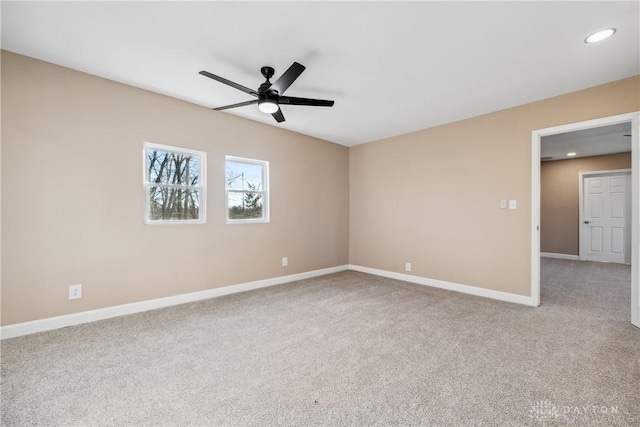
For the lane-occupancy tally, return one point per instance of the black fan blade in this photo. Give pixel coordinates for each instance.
(278, 116)
(288, 77)
(229, 82)
(292, 100)
(240, 104)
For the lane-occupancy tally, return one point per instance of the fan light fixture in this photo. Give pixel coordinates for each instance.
(600, 35)
(268, 106)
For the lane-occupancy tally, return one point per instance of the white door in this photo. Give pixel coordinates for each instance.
(606, 218)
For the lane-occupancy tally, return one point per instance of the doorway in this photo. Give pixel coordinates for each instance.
(537, 135)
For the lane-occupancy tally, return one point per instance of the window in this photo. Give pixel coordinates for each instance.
(174, 180)
(247, 190)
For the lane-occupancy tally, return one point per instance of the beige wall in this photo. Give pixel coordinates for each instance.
(432, 197)
(559, 199)
(72, 197)
(72, 194)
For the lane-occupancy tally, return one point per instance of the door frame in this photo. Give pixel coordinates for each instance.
(536, 137)
(581, 235)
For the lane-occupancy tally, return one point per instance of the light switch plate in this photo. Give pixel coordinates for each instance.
(503, 204)
(512, 204)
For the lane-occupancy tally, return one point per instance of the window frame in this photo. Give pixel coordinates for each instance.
(265, 191)
(201, 188)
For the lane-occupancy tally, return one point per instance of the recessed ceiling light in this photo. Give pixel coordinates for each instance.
(571, 154)
(600, 35)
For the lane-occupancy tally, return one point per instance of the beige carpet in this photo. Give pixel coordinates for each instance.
(344, 349)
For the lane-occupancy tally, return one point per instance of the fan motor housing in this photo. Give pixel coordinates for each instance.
(264, 91)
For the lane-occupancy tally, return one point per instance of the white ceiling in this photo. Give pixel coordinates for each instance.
(391, 67)
(586, 143)
(589, 142)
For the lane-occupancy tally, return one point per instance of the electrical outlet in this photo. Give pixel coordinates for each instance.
(75, 291)
(285, 261)
(407, 266)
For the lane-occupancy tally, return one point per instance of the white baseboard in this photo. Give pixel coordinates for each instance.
(41, 325)
(559, 256)
(465, 289)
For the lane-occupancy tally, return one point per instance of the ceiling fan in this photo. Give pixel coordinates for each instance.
(271, 95)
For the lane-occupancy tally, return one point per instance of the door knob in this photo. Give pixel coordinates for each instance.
(587, 222)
